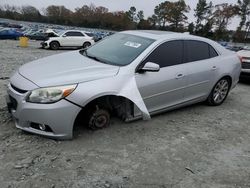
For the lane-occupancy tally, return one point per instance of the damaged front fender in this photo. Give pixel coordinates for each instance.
(122, 86)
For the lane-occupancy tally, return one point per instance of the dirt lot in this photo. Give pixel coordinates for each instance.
(198, 146)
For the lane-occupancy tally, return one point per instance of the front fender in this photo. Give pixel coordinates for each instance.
(123, 86)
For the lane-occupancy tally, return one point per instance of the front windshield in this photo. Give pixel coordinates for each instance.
(119, 49)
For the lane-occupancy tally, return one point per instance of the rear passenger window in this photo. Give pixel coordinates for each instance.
(196, 51)
(212, 52)
(73, 34)
(167, 54)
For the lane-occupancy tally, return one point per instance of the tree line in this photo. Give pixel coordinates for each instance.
(210, 20)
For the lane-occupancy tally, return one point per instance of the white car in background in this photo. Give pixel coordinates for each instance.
(69, 38)
(245, 59)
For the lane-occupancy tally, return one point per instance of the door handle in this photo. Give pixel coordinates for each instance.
(214, 68)
(178, 76)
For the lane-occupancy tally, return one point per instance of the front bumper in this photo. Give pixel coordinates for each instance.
(44, 45)
(59, 117)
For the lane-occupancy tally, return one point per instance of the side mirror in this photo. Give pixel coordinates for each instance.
(150, 67)
(64, 36)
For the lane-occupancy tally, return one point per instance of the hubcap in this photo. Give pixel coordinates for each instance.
(220, 91)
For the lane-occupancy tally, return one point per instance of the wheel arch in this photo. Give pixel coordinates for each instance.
(54, 41)
(227, 76)
(118, 106)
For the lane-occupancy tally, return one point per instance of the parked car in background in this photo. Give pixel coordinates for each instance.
(51, 33)
(245, 62)
(37, 36)
(234, 48)
(130, 74)
(10, 34)
(93, 35)
(69, 38)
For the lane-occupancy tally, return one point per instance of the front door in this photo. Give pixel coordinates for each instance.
(164, 88)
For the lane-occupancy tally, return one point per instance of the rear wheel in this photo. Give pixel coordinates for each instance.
(86, 45)
(219, 93)
(98, 118)
(54, 45)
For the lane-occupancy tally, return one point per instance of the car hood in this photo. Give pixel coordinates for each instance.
(66, 68)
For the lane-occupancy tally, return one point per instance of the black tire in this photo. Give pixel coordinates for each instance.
(98, 118)
(54, 45)
(219, 92)
(86, 45)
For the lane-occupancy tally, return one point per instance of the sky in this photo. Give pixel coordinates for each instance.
(114, 5)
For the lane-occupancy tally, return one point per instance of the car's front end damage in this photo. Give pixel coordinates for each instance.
(45, 44)
(50, 100)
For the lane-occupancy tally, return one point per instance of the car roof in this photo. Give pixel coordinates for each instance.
(166, 35)
(74, 31)
(157, 35)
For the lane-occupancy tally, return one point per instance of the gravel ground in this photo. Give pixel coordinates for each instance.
(197, 146)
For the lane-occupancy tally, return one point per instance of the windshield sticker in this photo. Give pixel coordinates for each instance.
(132, 44)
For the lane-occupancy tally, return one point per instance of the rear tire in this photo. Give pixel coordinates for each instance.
(54, 45)
(86, 45)
(219, 92)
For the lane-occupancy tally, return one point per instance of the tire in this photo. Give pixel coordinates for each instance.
(98, 118)
(86, 45)
(54, 45)
(219, 92)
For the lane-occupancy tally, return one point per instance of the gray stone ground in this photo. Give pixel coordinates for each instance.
(197, 146)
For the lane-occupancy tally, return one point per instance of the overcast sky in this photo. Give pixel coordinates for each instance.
(113, 5)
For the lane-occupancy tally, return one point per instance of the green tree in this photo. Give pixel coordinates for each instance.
(140, 15)
(203, 14)
(159, 14)
(11, 12)
(58, 14)
(222, 16)
(191, 28)
(243, 11)
(131, 14)
(153, 20)
(30, 13)
(172, 13)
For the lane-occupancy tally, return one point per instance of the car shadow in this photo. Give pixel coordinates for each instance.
(245, 81)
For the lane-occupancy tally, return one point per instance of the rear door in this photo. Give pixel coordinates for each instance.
(73, 38)
(78, 38)
(200, 59)
(166, 87)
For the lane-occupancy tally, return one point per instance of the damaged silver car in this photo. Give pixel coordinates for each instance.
(131, 75)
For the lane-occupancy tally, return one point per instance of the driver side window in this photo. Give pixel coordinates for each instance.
(167, 54)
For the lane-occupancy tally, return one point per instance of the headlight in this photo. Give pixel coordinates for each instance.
(50, 94)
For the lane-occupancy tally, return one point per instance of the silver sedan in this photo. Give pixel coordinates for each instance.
(131, 75)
